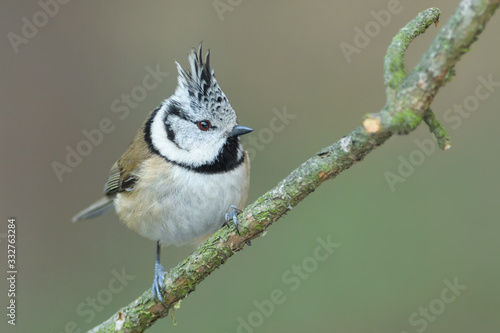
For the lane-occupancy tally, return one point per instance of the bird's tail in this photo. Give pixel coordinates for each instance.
(98, 208)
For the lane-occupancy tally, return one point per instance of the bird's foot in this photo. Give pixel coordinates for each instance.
(158, 291)
(233, 216)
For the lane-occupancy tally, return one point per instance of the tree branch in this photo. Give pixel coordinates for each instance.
(408, 100)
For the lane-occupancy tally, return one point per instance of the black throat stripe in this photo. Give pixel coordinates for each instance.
(227, 159)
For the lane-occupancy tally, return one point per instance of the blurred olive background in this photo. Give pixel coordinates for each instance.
(397, 246)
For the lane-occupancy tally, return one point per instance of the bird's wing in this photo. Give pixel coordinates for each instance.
(113, 185)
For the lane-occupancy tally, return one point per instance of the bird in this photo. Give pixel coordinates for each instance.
(185, 174)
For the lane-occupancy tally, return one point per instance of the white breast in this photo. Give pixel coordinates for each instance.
(177, 206)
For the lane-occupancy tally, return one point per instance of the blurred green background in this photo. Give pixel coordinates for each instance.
(398, 245)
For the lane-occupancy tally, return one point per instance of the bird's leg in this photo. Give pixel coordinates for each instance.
(233, 215)
(158, 290)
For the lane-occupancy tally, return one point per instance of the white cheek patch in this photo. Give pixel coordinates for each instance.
(200, 155)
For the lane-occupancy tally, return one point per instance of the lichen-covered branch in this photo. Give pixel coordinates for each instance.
(443, 139)
(408, 103)
(394, 66)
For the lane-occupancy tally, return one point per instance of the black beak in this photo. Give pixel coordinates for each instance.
(240, 130)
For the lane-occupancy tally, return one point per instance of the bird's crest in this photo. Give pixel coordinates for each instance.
(200, 84)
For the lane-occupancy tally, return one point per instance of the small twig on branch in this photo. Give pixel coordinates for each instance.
(408, 103)
(394, 65)
(443, 139)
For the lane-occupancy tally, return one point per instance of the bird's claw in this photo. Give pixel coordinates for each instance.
(233, 216)
(158, 290)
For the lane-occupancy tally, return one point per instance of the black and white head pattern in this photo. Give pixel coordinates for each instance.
(192, 127)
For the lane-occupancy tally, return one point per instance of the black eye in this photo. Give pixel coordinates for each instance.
(204, 125)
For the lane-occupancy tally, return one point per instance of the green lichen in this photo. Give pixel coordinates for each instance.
(437, 129)
(405, 122)
(394, 70)
(258, 227)
(451, 73)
